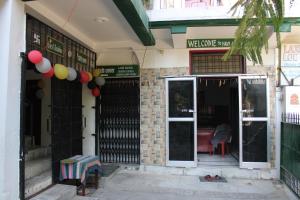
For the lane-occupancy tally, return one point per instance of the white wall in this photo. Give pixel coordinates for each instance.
(88, 101)
(12, 40)
(170, 58)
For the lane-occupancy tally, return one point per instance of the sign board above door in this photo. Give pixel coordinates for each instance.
(209, 43)
(119, 71)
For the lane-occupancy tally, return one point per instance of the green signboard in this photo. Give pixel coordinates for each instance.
(55, 46)
(81, 58)
(120, 71)
(209, 43)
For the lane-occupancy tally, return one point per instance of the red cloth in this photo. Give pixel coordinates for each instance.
(204, 136)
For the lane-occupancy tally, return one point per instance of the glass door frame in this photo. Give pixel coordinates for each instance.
(181, 119)
(253, 165)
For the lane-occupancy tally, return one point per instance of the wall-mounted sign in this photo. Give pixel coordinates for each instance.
(81, 58)
(209, 43)
(119, 71)
(36, 39)
(291, 55)
(55, 46)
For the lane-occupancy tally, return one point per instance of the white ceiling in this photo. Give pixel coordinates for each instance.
(83, 19)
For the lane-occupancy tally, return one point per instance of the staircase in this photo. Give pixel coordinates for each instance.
(38, 173)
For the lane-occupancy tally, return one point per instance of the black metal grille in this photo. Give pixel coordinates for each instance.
(36, 38)
(66, 121)
(212, 63)
(118, 121)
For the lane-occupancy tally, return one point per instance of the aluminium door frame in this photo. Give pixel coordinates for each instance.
(253, 165)
(181, 119)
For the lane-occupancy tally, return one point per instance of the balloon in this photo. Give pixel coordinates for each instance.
(84, 77)
(43, 66)
(90, 76)
(96, 72)
(39, 94)
(61, 72)
(91, 85)
(35, 56)
(96, 92)
(72, 75)
(49, 74)
(100, 81)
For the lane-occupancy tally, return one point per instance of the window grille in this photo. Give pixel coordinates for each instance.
(213, 63)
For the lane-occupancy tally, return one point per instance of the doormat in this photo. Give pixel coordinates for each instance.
(107, 170)
(209, 178)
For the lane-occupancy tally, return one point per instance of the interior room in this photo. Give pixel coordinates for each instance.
(217, 121)
(37, 132)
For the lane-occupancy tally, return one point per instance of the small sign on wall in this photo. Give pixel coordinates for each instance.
(119, 71)
(291, 55)
(209, 43)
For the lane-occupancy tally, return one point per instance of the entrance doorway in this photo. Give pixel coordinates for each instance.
(217, 121)
(221, 120)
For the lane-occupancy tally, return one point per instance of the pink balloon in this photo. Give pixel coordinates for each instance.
(49, 74)
(84, 77)
(35, 56)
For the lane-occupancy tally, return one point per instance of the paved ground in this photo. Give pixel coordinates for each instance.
(132, 185)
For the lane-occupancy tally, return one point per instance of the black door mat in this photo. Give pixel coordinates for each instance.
(209, 178)
(108, 169)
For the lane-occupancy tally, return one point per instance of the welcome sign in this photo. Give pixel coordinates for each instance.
(209, 43)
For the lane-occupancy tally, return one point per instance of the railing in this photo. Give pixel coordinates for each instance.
(290, 151)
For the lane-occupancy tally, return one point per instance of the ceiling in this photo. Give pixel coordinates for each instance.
(81, 15)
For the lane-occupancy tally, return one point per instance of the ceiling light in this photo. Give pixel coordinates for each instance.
(101, 19)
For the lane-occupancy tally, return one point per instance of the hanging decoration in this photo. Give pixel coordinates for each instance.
(91, 85)
(35, 56)
(84, 77)
(49, 74)
(96, 72)
(72, 74)
(61, 72)
(90, 76)
(100, 81)
(96, 92)
(43, 66)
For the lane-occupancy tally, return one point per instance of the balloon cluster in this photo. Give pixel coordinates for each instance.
(43, 65)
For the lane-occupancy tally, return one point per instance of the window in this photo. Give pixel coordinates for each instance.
(207, 62)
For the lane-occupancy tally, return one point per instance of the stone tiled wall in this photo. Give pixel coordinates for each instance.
(153, 114)
(153, 110)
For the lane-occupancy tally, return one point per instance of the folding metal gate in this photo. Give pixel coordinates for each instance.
(118, 121)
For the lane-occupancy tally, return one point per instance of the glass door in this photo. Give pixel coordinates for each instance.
(181, 123)
(254, 122)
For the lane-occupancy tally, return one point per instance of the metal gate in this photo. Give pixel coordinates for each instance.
(118, 121)
(66, 122)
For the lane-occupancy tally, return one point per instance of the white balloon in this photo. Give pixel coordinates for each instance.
(43, 66)
(100, 81)
(72, 74)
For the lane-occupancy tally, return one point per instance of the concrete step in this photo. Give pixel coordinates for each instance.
(38, 183)
(58, 192)
(37, 153)
(37, 167)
